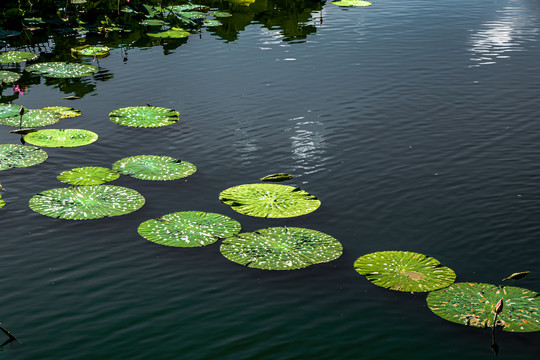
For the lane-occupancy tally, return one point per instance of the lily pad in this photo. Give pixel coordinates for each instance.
(277, 177)
(188, 229)
(473, 304)
(281, 248)
(193, 14)
(7, 77)
(212, 22)
(144, 116)
(351, 3)
(65, 111)
(404, 271)
(16, 56)
(2, 203)
(62, 70)
(221, 14)
(9, 110)
(14, 155)
(517, 275)
(86, 202)
(269, 200)
(153, 22)
(61, 137)
(173, 33)
(91, 50)
(88, 175)
(154, 167)
(32, 118)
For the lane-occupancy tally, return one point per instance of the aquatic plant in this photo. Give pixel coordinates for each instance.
(173, 33)
(14, 155)
(281, 248)
(65, 112)
(351, 3)
(7, 77)
(62, 70)
(61, 137)
(96, 51)
(31, 118)
(16, 56)
(154, 167)
(88, 175)
(277, 177)
(144, 116)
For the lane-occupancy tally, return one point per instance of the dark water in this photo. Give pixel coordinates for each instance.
(417, 125)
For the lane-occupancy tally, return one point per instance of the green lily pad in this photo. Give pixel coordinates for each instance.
(277, 177)
(153, 22)
(7, 77)
(16, 56)
(154, 167)
(62, 70)
(404, 271)
(88, 175)
(9, 110)
(212, 22)
(65, 111)
(91, 50)
(351, 3)
(2, 203)
(14, 155)
(32, 118)
(173, 33)
(473, 304)
(61, 137)
(144, 116)
(193, 14)
(188, 229)
(269, 200)
(221, 14)
(281, 248)
(86, 202)
(185, 7)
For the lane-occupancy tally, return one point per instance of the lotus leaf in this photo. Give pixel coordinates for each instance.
(88, 175)
(185, 7)
(86, 202)
(277, 177)
(473, 304)
(193, 14)
(62, 70)
(32, 118)
(7, 77)
(221, 14)
(351, 3)
(2, 203)
(153, 22)
(281, 248)
(91, 50)
(404, 271)
(188, 229)
(154, 167)
(208, 22)
(144, 116)
(173, 33)
(65, 111)
(269, 200)
(8, 110)
(14, 155)
(16, 56)
(61, 137)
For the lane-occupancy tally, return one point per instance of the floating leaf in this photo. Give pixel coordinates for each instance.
(72, 97)
(517, 276)
(351, 3)
(281, 248)
(277, 177)
(88, 175)
(188, 229)
(153, 22)
(193, 14)
(221, 14)
(32, 118)
(144, 116)
(9, 110)
(86, 202)
(91, 50)
(154, 167)
(64, 111)
(2, 203)
(16, 56)
(173, 33)
(62, 70)
(474, 304)
(61, 137)
(22, 131)
(211, 22)
(14, 155)
(269, 200)
(185, 7)
(404, 271)
(7, 77)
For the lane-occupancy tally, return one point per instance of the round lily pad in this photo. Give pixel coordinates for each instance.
(14, 155)
(404, 271)
(153, 22)
(91, 50)
(188, 229)
(144, 116)
(221, 14)
(351, 3)
(86, 202)
(88, 175)
(61, 137)
(173, 33)
(212, 22)
(193, 14)
(154, 167)
(9, 110)
(277, 177)
(7, 77)
(62, 70)
(65, 111)
(16, 56)
(281, 248)
(2, 203)
(32, 118)
(269, 200)
(473, 304)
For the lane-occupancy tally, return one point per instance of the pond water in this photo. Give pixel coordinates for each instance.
(415, 123)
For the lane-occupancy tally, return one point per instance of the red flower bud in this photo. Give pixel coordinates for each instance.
(499, 306)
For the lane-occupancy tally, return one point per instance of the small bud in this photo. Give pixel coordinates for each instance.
(499, 306)
(21, 111)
